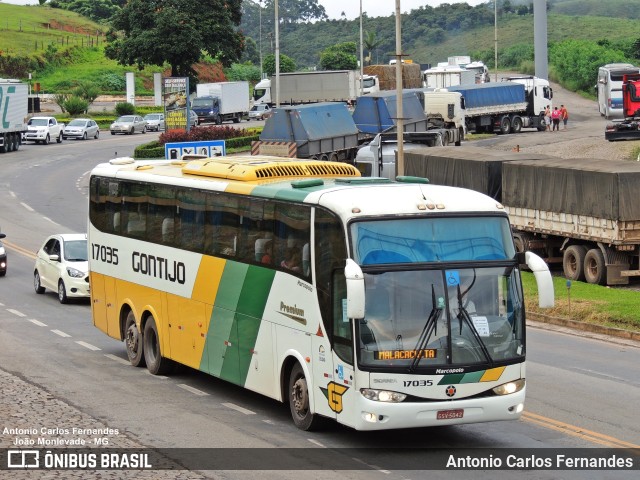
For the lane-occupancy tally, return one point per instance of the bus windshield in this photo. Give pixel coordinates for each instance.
(444, 292)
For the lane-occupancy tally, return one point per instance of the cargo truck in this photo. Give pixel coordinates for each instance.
(314, 87)
(446, 76)
(421, 112)
(629, 127)
(580, 213)
(507, 106)
(320, 131)
(222, 101)
(14, 111)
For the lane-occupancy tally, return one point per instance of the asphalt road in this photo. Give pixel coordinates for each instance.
(579, 390)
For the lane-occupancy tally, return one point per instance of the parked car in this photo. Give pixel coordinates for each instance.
(193, 119)
(81, 128)
(129, 124)
(62, 265)
(155, 121)
(260, 112)
(3, 257)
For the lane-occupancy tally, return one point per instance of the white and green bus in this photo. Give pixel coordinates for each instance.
(379, 304)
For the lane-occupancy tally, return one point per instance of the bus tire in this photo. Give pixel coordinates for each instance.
(595, 270)
(299, 400)
(573, 262)
(133, 341)
(156, 363)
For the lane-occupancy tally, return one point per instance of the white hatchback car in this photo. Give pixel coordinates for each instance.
(62, 265)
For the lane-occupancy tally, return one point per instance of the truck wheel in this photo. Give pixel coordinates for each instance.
(595, 270)
(460, 137)
(516, 125)
(445, 139)
(573, 262)
(47, 140)
(333, 157)
(237, 119)
(505, 125)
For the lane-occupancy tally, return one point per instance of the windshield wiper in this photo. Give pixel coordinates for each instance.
(429, 328)
(464, 315)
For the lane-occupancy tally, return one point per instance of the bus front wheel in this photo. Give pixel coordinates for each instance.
(133, 341)
(299, 400)
(156, 363)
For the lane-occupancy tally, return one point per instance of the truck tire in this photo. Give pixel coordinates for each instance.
(595, 270)
(505, 125)
(237, 119)
(573, 262)
(460, 137)
(516, 125)
(3, 148)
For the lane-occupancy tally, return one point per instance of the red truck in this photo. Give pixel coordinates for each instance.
(629, 127)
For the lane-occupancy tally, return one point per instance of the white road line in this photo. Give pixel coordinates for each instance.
(62, 334)
(37, 322)
(1, 304)
(47, 218)
(26, 206)
(599, 374)
(195, 391)
(16, 312)
(270, 422)
(316, 442)
(88, 345)
(238, 408)
(117, 359)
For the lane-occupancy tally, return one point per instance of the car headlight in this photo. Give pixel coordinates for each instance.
(72, 272)
(510, 387)
(382, 395)
(2, 251)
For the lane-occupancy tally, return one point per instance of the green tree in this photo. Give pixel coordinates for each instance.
(370, 42)
(87, 91)
(286, 64)
(340, 57)
(96, 10)
(177, 32)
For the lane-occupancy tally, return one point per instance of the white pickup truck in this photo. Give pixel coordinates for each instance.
(43, 129)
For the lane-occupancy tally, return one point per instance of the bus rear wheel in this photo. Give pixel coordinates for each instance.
(156, 363)
(299, 400)
(133, 341)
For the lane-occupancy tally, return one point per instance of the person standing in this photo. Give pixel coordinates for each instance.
(555, 118)
(564, 115)
(547, 119)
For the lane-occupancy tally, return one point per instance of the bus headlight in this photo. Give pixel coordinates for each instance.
(72, 272)
(382, 395)
(509, 388)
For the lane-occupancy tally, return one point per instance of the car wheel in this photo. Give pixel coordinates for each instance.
(97, 134)
(132, 131)
(47, 140)
(84, 136)
(37, 286)
(133, 341)
(59, 139)
(64, 138)
(144, 129)
(113, 133)
(156, 363)
(62, 293)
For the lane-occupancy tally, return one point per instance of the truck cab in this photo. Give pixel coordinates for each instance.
(207, 108)
(539, 93)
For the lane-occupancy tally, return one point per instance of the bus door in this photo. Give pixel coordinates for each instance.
(105, 314)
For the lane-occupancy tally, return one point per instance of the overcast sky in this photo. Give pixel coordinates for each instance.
(351, 8)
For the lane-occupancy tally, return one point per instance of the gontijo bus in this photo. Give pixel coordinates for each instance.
(379, 304)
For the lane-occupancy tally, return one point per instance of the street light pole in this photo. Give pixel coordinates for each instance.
(361, 55)
(495, 35)
(260, 10)
(277, 56)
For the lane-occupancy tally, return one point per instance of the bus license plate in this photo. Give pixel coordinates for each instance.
(449, 414)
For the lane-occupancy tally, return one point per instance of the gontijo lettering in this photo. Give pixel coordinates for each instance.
(158, 267)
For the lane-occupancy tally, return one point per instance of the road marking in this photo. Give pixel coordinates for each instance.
(574, 431)
(47, 218)
(37, 322)
(16, 312)
(62, 334)
(195, 391)
(26, 206)
(117, 359)
(23, 251)
(316, 442)
(161, 377)
(238, 408)
(88, 345)
(270, 422)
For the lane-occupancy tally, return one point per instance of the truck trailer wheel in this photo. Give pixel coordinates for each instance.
(595, 270)
(516, 124)
(573, 262)
(505, 125)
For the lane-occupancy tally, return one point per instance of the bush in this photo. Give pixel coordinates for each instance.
(149, 150)
(200, 134)
(112, 82)
(76, 105)
(61, 99)
(125, 108)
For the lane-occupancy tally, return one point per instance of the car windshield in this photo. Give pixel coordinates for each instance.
(38, 122)
(126, 119)
(75, 251)
(77, 123)
(152, 117)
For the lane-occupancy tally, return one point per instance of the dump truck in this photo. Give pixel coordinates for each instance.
(506, 107)
(14, 110)
(321, 131)
(580, 213)
(629, 127)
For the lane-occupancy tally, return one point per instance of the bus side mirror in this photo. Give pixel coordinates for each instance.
(543, 279)
(355, 290)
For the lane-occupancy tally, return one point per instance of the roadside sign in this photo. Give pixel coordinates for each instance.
(210, 148)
